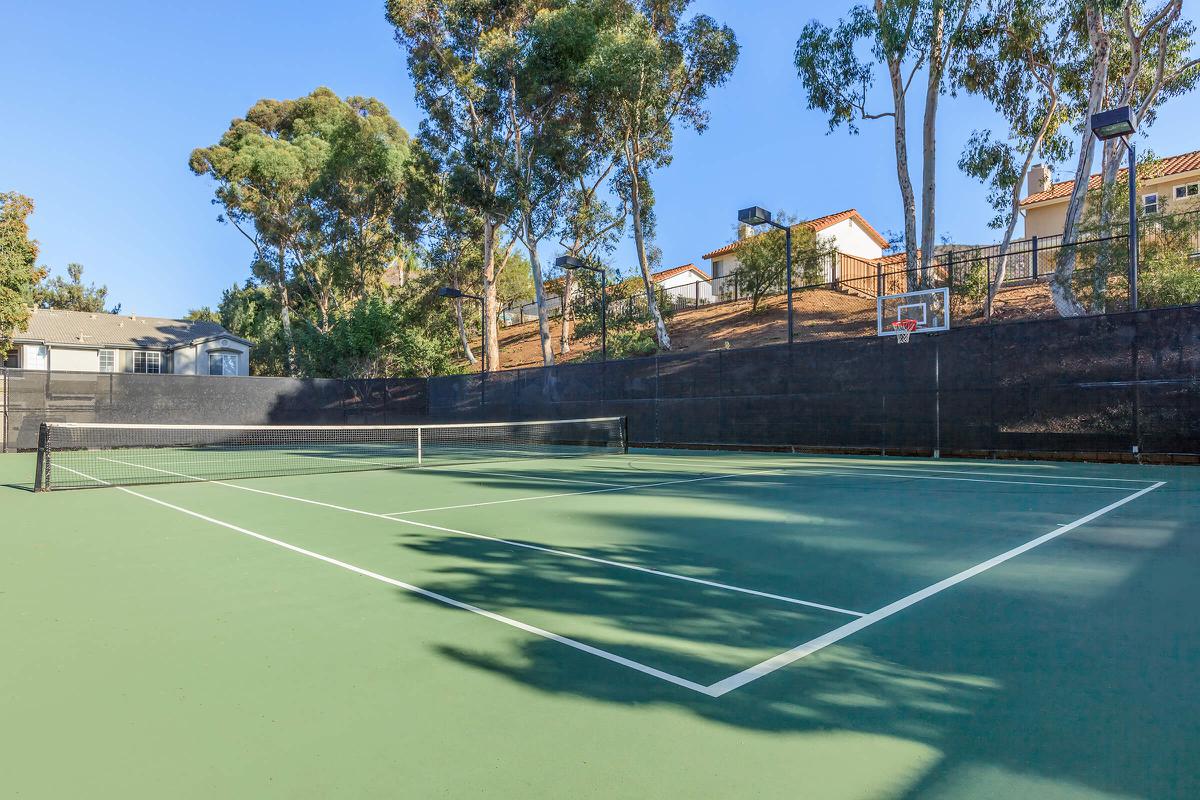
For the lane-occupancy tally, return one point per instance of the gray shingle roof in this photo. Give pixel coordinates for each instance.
(118, 330)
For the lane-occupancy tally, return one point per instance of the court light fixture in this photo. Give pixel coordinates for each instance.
(570, 262)
(458, 294)
(1119, 123)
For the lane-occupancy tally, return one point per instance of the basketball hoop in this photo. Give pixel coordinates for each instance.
(904, 329)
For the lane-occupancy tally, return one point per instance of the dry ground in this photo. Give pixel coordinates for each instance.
(820, 314)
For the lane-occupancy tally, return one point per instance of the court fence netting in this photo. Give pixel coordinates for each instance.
(94, 455)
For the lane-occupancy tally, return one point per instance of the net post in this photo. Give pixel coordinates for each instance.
(624, 434)
(420, 447)
(41, 479)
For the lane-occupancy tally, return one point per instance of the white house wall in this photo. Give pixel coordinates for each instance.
(849, 237)
(71, 359)
(33, 356)
(198, 360)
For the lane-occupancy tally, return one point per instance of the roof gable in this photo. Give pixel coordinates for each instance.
(816, 225)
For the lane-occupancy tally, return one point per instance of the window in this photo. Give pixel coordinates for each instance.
(149, 362)
(12, 359)
(108, 360)
(717, 268)
(1150, 203)
(222, 363)
(1190, 190)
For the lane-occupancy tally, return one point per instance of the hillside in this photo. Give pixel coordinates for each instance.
(819, 314)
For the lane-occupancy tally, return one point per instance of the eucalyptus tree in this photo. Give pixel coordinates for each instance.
(590, 231)
(555, 125)
(455, 53)
(311, 184)
(1016, 53)
(1132, 54)
(904, 37)
(650, 73)
(18, 265)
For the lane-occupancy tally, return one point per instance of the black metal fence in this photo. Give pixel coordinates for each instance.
(28, 398)
(1019, 277)
(1114, 386)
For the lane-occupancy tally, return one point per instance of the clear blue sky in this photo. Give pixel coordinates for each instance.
(104, 101)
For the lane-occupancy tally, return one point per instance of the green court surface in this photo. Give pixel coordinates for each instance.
(650, 625)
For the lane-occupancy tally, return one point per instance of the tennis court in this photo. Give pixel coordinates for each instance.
(586, 620)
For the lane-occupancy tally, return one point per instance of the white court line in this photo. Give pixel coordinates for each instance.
(408, 587)
(526, 545)
(833, 463)
(979, 480)
(813, 645)
(828, 469)
(533, 477)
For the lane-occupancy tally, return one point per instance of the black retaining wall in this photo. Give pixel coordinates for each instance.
(1096, 386)
(31, 397)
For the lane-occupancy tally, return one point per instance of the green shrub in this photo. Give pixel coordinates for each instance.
(1169, 282)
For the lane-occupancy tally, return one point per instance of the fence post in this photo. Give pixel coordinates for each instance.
(879, 280)
(697, 294)
(735, 286)
(950, 273)
(1035, 254)
(836, 258)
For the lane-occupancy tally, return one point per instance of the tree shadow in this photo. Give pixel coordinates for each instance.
(1065, 673)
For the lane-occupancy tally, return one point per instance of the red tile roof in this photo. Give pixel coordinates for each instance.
(818, 224)
(1172, 165)
(662, 275)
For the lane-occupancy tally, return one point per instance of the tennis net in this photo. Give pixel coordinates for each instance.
(92, 455)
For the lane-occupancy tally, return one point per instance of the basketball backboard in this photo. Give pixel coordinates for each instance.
(929, 309)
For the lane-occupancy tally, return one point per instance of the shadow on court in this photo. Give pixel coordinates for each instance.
(1070, 672)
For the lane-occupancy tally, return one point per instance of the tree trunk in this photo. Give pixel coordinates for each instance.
(491, 330)
(902, 176)
(285, 314)
(462, 332)
(933, 93)
(568, 314)
(539, 293)
(639, 240)
(1061, 291)
(1014, 211)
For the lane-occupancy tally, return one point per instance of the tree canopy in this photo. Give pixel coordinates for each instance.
(19, 272)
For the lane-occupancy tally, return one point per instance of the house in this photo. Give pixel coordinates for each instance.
(79, 341)
(847, 231)
(1170, 182)
(686, 282)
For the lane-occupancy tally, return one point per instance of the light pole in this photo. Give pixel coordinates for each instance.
(760, 216)
(458, 294)
(573, 263)
(1118, 123)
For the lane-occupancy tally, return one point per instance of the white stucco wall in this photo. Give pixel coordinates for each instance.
(849, 237)
(193, 360)
(685, 285)
(73, 359)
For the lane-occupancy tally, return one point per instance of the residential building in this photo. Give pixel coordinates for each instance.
(847, 231)
(78, 341)
(685, 281)
(1172, 182)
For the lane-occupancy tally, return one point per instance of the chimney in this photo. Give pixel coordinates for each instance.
(744, 231)
(1040, 179)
